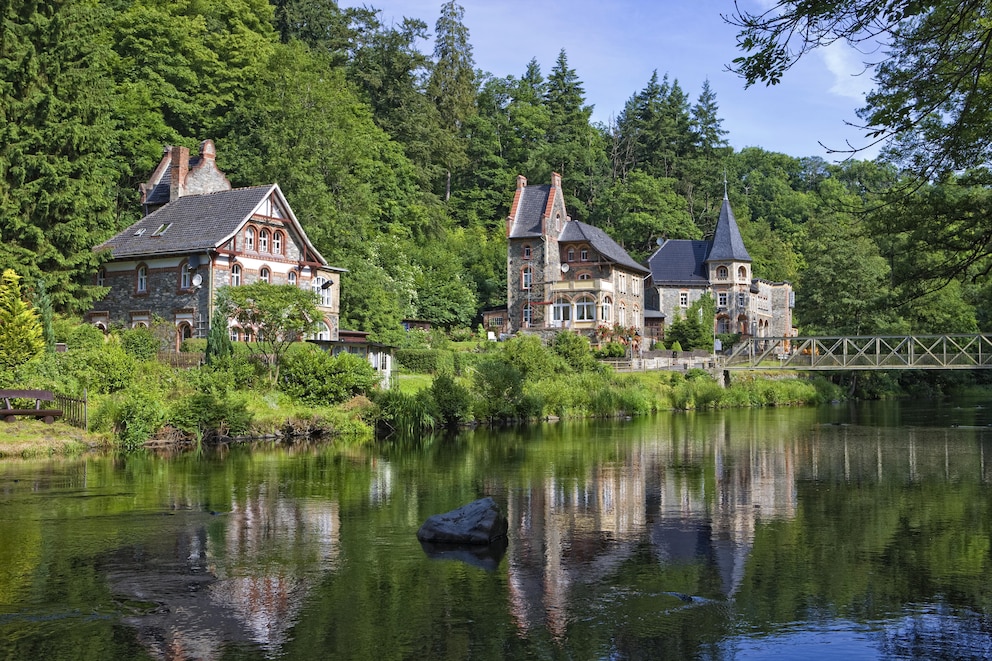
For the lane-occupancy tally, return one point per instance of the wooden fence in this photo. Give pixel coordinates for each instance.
(74, 410)
(181, 359)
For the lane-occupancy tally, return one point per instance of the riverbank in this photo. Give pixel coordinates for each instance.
(28, 439)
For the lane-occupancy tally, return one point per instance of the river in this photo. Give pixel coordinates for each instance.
(844, 532)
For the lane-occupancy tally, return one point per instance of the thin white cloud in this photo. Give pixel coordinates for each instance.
(846, 65)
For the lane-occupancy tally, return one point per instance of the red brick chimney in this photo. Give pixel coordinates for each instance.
(178, 169)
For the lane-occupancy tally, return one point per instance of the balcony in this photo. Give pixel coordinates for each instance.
(595, 284)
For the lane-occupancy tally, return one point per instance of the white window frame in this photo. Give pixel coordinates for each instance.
(585, 309)
(606, 309)
(236, 275)
(249, 239)
(263, 241)
(142, 283)
(683, 299)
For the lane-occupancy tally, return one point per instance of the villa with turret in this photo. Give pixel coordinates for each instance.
(566, 274)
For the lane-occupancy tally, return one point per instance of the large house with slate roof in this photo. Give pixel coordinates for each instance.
(563, 273)
(199, 234)
(682, 271)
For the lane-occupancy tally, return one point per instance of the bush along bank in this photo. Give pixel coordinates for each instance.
(138, 402)
(521, 379)
(135, 401)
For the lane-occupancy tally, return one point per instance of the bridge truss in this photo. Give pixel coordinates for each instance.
(876, 352)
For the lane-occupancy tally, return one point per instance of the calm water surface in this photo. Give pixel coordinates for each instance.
(860, 532)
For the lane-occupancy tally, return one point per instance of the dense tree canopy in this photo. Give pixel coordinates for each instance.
(400, 163)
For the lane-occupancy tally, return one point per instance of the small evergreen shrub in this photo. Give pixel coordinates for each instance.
(453, 400)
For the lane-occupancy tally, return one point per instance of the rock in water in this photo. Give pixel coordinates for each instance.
(479, 522)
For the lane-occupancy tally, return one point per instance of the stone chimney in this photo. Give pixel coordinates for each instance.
(521, 181)
(178, 169)
(555, 180)
(207, 150)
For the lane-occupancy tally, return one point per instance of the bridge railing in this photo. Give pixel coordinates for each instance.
(862, 352)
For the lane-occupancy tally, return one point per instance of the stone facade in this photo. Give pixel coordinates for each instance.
(684, 271)
(562, 273)
(202, 235)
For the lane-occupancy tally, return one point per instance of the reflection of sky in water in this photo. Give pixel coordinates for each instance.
(932, 633)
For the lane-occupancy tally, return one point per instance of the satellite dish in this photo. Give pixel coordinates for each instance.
(564, 268)
(197, 280)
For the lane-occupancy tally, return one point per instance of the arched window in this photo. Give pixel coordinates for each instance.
(526, 276)
(636, 321)
(622, 314)
(264, 274)
(185, 276)
(142, 279)
(323, 332)
(322, 287)
(571, 255)
(250, 239)
(585, 276)
(235, 333)
(236, 275)
(248, 335)
(606, 309)
(562, 311)
(277, 243)
(585, 309)
(292, 278)
(722, 273)
(101, 277)
(263, 241)
(742, 273)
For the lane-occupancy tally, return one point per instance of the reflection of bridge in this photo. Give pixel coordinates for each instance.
(877, 352)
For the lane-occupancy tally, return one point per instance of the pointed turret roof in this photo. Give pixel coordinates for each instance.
(728, 246)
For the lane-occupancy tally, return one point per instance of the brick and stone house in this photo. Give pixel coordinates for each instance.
(682, 271)
(199, 234)
(563, 273)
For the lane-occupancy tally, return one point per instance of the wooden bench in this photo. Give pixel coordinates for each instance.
(9, 413)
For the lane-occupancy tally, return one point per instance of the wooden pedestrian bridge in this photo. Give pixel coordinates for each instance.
(868, 352)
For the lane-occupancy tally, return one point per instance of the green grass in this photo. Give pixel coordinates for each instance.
(410, 384)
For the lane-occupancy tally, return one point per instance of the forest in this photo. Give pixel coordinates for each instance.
(401, 164)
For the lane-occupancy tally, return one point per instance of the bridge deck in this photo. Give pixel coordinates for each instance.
(875, 352)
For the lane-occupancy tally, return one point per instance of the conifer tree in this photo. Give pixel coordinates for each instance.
(20, 329)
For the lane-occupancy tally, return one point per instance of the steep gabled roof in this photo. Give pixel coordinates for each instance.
(529, 211)
(728, 246)
(680, 263)
(577, 231)
(199, 223)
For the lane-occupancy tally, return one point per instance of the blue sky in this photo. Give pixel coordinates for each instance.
(614, 45)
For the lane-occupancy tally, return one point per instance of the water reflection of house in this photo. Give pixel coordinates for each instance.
(245, 586)
(688, 501)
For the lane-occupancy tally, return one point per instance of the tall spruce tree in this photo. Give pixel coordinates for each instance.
(451, 86)
(57, 138)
